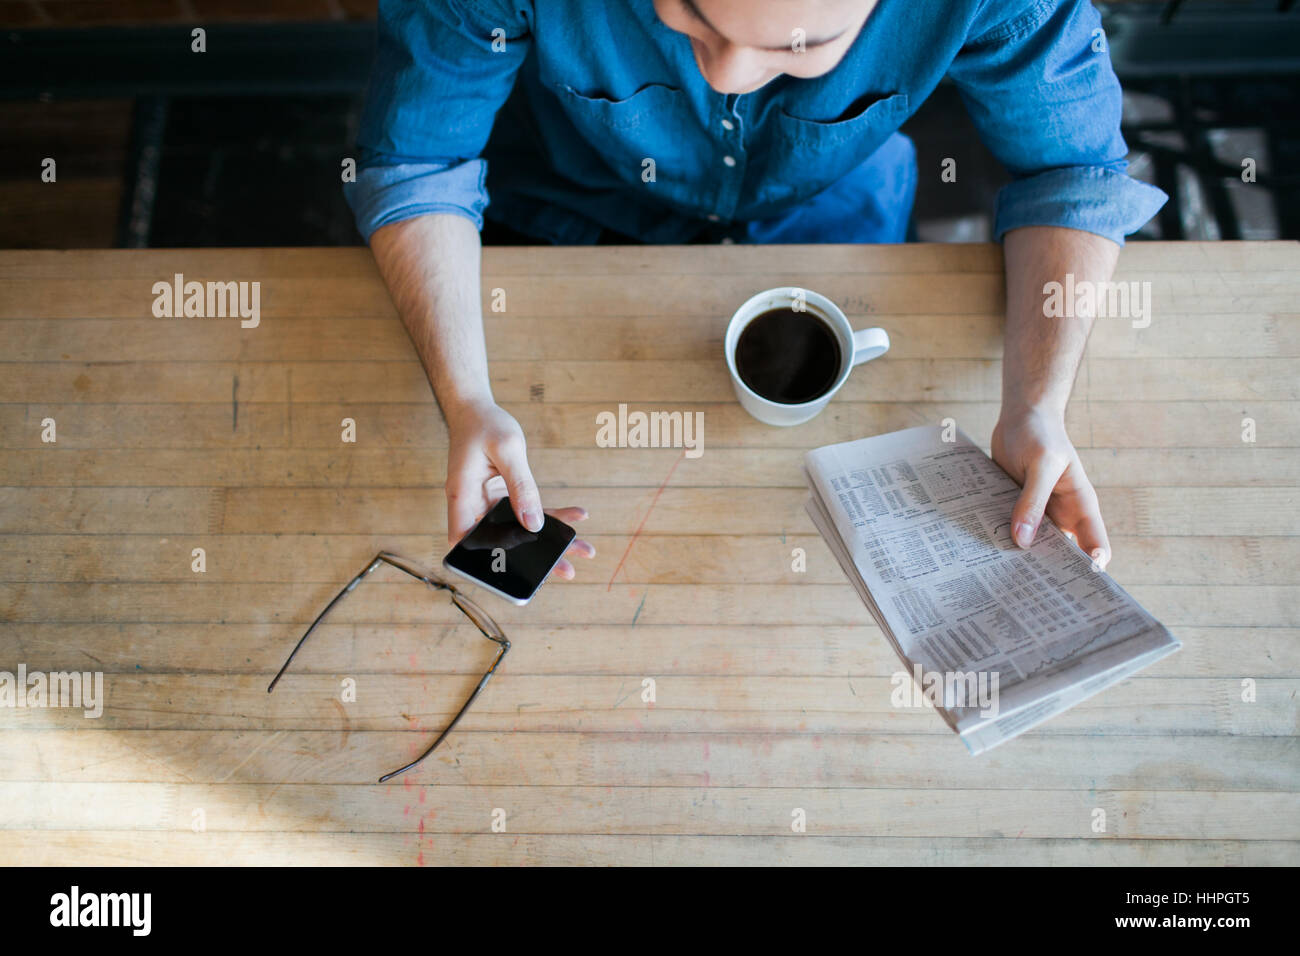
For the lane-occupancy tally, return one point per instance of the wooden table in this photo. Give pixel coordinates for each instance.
(771, 687)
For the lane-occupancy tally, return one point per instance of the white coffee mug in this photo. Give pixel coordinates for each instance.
(855, 348)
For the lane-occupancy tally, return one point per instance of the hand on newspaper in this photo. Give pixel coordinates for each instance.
(1034, 449)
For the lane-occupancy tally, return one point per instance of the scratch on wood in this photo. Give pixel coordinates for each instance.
(253, 753)
(347, 724)
(653, 501)
(625, 696)
(217, 511)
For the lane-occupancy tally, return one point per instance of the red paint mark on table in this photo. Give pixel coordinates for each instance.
(653, 501)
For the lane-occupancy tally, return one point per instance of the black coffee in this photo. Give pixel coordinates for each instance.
(788, 357)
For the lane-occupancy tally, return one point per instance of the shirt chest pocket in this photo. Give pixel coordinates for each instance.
(625, 133)
(867, 123)
(811, 154)
(648, 107)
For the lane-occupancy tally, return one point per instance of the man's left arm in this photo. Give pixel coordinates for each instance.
(1040, 360)
(1036, 79)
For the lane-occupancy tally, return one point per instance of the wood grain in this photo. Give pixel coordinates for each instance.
(771, 687)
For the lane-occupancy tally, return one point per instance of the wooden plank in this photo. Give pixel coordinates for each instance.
(701, 649)
(1208, 293)
(1176, 512)
(612, 703)
(754, 811)
(1172, 467)
(349, 466)
(659, 558)
(470, 758)
(110, 848)
(630, 337)
(132, 426)
(1125, 381)
(139, 383)
(389, 601)
(725, 425)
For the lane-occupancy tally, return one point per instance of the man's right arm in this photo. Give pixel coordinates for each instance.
(431, 267)
(441, 72)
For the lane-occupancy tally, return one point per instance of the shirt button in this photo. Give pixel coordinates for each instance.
(728, 124)
(729, 160)
(713, 217)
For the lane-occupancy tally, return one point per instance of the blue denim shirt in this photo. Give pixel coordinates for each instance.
(594, 116)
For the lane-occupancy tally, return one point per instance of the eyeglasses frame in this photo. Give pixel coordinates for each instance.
(480, 619)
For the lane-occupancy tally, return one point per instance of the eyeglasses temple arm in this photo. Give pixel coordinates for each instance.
(505, 646)
(321, 616)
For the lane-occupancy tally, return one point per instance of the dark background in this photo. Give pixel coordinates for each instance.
(245, 150)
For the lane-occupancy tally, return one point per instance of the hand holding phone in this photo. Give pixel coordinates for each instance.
(504, 557)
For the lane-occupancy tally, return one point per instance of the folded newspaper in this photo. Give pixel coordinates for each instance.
(999, 638)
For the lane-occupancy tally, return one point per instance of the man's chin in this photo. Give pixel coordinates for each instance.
(759, 86)
(747, 89)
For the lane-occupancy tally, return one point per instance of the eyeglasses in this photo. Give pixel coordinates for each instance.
(487, 627)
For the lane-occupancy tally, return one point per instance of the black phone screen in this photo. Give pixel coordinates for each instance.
(503, 554)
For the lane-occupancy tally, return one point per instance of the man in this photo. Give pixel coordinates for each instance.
(747, 120)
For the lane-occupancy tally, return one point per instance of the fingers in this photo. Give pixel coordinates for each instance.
(1079, 512)
(1091, 535)
(564, 569)
(581, 549)
(511, 460)
(466, 503)
(1040, 479)
(578, 548)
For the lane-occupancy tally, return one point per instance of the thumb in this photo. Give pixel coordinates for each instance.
(1040, 478)
(512, 463)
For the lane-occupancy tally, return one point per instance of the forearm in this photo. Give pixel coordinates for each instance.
(1042, 352)
(431, 267)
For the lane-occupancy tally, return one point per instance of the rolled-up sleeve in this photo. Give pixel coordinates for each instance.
(1041, 90)
(442, 70)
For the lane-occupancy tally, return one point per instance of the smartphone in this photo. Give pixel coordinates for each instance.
(503, 556)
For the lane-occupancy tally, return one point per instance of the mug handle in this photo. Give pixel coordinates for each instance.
(869, 344)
